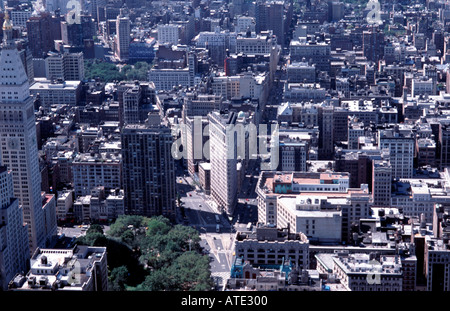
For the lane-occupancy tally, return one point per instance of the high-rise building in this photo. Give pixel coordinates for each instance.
(73, 66)
(74, 34)
(66, 66)
(170, 33)
(19, 141)
(271, 16)
(195, 141)
(401, 151)
(444, 144)
(326, 146)
(123, 39)
(293, 155)
(40, 34)
(323, 197)
(223, 159)
(312, 51)
(148, 170)
(14, 252)
(20, 14)
(90, 171)
(137, 99)
(437, 264)
(335, 11)
(381, 183)
(373, 44)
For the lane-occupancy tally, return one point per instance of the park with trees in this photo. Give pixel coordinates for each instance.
(151, 254)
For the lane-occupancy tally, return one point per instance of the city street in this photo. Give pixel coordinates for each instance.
(200, 213)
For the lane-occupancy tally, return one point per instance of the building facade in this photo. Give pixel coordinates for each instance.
(14, 252)
(148, 171)
(18, 141)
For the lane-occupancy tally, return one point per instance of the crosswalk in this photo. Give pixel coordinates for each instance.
(220, 278)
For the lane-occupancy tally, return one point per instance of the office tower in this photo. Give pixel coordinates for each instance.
(326, 126)
(293, 155)
(23, 46)
(401, 151)
(244, 23)
(73, 66)
(75, 34)
(123, 31)
(311, 50)
(426, 152)
(223, 159)
(55, 24)
(436, 264)
(195, 128)
(136, 100)
(444, 144)
(304, 193)
(270, 16)
(90, 171)
(54, 67)
(14, 251)
(170, 33)
(301, 72)
(40, 34)
(373, 44)
(18, 141)
(260, 16)
(217, 43)
(276, 21)
(381, 183)
(148, 170)
(335, 11)
(95, 5)
(20, 14)
(355, 130)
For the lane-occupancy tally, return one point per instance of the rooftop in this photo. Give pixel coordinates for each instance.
(360, 263)
(64, 269)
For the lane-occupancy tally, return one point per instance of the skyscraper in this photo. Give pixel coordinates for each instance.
(14, 251)
(75, 34)
(401, 151)
(270, 16)
(19, 150)
(381, 183)
(123, 31)
(373, 44)
(148, 170)
(223, 160)
(42, 30)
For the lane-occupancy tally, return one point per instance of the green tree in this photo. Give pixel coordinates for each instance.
(92, 239)
(158, 225)
(187, 238)
(123, 222)
(189, 271)
(171, 253)
(118, 279)
(94, 228)
(137, 72)
(157, 280)
(118, 254)
(126, 68)
(106, 72)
